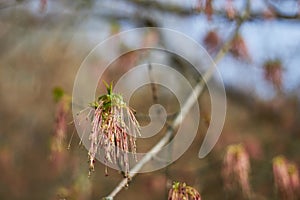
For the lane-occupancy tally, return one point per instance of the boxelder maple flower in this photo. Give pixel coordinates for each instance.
(286, 177)
(114, 128)
(60, 128)
(236, 168)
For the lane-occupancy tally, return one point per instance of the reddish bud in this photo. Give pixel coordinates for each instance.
(43, 5)
(230, 11)
(199, 5)
(212, 41)
(273, 73)
(239, 48)
(269, 14)
(208, 10)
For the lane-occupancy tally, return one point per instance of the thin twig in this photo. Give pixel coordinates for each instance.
(189, 103)
(199, 88)
(169, 134)
(189, 11)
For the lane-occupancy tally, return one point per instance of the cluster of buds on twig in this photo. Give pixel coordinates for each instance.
(236, 168)
(181, 191)
(114, 128)
(286, 177)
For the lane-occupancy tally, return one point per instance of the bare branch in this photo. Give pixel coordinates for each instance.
(197, 91)
(184, 11)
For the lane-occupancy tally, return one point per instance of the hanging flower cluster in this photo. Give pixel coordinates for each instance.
(286, 177)
(114, 128)
(236, 168)
(181, 191)
(60, 128)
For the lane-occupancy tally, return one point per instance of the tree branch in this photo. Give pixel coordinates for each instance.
(183, 11)
(198, 89)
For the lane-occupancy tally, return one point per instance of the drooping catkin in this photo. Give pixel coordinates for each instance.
(114, 128)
